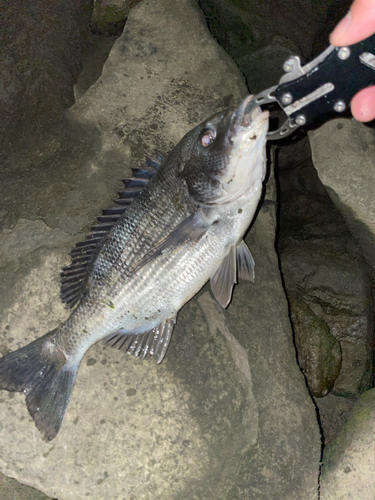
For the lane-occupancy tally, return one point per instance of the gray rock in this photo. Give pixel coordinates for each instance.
(240, 25)
(258, 318)
(93, 58)
(10, 489)
(343, 153)
(40, 59)
(108, 16)
(263, 64)
(333, 412)
(324, 268)
(227, 414)
(294, 153)
(348, 466)
(319, 353)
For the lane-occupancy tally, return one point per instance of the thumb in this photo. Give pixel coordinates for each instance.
(357, 25)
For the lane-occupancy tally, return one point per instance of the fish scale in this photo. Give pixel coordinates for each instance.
(179, 223)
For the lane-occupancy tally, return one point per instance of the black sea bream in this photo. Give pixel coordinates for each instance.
(145, 260)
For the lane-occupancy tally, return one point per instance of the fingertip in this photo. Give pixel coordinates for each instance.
(363, 105)
(357, 25)
(338, 34)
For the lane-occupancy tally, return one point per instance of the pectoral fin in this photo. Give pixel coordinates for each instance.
(245, 263)
(223, 280)
(239, 262)
(192, 229)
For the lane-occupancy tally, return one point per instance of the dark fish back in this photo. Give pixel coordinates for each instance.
(151, 204)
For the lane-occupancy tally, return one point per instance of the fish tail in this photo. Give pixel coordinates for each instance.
(40, 370)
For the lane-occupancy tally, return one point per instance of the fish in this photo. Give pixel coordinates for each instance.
(179, 223)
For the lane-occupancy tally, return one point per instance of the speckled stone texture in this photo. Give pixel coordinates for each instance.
(349, 463)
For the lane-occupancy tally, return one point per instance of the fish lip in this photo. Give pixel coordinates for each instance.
(246, 115)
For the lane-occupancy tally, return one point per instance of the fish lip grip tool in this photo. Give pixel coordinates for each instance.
(324, 86)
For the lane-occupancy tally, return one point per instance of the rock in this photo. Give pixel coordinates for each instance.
(343, 154)
(13, 490)
(348, 470)
(333, 412)
(258, 319)
(40, 60)
(323, 267)
(227, 414)
(319, 353)
(263, 64)
(292, 154)
(93, 58)
(108, 16)
(239, 25)
(336, 10)
(259, 48)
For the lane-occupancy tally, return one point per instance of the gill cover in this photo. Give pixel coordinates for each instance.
(226, 154)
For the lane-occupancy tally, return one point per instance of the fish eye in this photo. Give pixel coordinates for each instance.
(207, 137)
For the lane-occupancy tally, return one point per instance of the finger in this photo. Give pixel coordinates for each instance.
(357, 25)
(363, 105)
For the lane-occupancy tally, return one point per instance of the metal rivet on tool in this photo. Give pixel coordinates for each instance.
(340, 106)
(344, 53)
(288, 66)
(300, 120)
(287, 98)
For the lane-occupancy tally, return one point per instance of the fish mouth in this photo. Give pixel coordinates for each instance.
(247, 116)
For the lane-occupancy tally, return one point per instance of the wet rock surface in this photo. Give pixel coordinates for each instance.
(227, 414)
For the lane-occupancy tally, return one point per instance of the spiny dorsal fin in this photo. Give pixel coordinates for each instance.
(74, 276)
(152, 343)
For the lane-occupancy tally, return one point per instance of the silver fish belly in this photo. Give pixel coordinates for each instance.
(145, 260)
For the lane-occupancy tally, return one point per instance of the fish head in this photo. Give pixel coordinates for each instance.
(225, 154)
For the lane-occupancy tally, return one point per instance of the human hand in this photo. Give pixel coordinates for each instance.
(357, 25)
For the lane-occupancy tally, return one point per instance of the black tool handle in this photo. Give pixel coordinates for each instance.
(343, 68)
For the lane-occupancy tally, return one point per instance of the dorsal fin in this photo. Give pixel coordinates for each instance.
(74, 276)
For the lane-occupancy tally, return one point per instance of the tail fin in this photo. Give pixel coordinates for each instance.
(41, 372)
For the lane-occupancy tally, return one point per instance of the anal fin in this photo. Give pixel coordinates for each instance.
(152, 343)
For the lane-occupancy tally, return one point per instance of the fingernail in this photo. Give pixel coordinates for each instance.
(341, 29)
